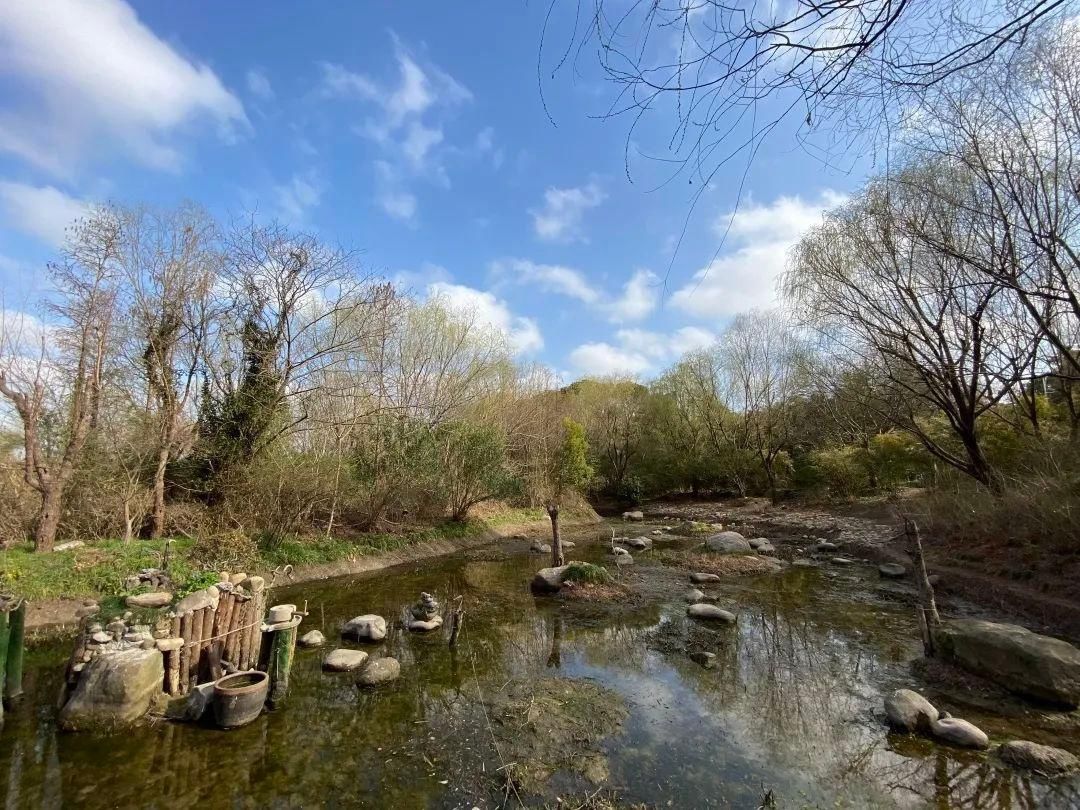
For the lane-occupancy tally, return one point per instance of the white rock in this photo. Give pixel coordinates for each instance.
(379, 671)
(959, 732)
(342, 660)
(693, 595)
(702, 577)
(710, 613)
(421, 626)
(312, 638)
(909, 711)
(368, 627)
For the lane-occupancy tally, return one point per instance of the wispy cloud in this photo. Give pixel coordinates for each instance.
(639, 296)
(637, 352)
(295, 198)
(258, 85)
(560, 219)
(523, 333)
(96, 79)
(43, 212)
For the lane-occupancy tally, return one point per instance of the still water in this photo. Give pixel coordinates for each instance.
(793, 705)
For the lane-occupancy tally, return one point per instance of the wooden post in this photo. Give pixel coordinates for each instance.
(282, 649)
(255, 618)
(13, 679)
(196, 644)
(3, 654)
(185, 652)
(232, 642)
(927, 612)
(221, 623)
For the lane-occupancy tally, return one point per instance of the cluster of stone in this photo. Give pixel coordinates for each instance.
(155, 578)
(120, 634)
(425, 614)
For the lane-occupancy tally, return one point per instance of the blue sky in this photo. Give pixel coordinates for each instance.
(413, 132)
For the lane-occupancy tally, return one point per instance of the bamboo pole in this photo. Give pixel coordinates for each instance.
(928, 613)
(245, 637)
(196, 644)
(254, 632)
(282, 649)
(4, 633)
(221, 624)
(185, 652)
(232, 641)
(13, 678)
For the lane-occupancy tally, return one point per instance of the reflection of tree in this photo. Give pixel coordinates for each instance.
(554, 660)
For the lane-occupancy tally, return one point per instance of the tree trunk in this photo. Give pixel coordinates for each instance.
(556, 540)
(157, 527)
(48, 520)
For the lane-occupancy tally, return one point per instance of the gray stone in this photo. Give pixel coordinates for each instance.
(803, 563)
(169, 644)
(841, 561)
(825, 545)
(1034, 757)
(892, 570)
(710, 613)
(616, 550)
(1024, 662)
(568, 544)
(909, 711)
(702, 577)
(312, 638)
(540, 548)
(73, 544)
(727, 543)
(755, 542)
(549, 580)
(194, 601)
(635, 515)
(640, 543)
(149, 600)
(115, 689)
(199, 699)
(342, 660)
(693, 595)
(379, 671)
(368, 627)
(425, 625)
(101, 638)
(766, 548)
(959, 732)
(624, 559)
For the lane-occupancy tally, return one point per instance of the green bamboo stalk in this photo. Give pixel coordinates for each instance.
(4, 635)
(282, 649)
(13, 687)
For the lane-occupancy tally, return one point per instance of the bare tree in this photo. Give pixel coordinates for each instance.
(170, 261)
(67, 375)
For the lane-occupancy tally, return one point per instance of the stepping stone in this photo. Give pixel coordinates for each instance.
(693, 595)
(892, 570)
(368, 627)
(342, 660)
(312, 639)
(379, 671)
(710, 613)
(700, 578)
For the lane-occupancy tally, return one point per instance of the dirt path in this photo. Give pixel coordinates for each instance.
(59, 614)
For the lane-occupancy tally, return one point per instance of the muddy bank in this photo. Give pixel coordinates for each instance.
(55, 614)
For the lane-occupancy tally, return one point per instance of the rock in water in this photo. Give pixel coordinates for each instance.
(909, 711)
(342, 660)
(1034, 757)
(378, 671)
(115, 689)
(803, 563)
(710, 613)
(706, 659)
(841, 561)
(1024, 662)
(149, 600)
(540, 548)
(568, 544)
(825, 545)
(727, 543)
(700, 578)
(959, 732)
(756, 541)
(635, 515)
(766, 548)
(693, 596)
(892, 570)
(425, 625)
(549, 580)
(312, 639)
(426, 608)
(368, 627)
(640, 542)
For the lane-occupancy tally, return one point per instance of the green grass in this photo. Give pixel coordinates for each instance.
(99, 568)
(589, 573)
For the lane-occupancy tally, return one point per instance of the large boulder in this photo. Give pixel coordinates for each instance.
(549, 580)
(701, 577)
(149, 600)
(540, 547)
(368, 627)
(710, 613)
(1037, 666)
(727, 543)
(115, 689)
(959, 732)
(639, 543)
(909, 711)
(1034, 757)
(892, 571)
(634, 515)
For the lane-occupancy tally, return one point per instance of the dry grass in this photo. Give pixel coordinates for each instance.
(725, 565)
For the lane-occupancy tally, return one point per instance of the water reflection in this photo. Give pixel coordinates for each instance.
(791, 703)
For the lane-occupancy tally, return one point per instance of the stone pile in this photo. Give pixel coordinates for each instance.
(425, 614)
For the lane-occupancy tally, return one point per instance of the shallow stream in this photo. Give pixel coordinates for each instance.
(792, 705)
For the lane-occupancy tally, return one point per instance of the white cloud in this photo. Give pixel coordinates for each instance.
(296, 197)
(412, 146)
(92, 76)
(522, 332)
(638, 299)
(259, 85)
(391, 195)
(42, 212)
(560, 219)
(550, 277)
(637, 352)
(745, 277)
(605, 360)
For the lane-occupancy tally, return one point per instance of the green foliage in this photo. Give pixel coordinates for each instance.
(843, 470)
(196, 582)
(588, 573)
(474, 466)
(215, 551)
(572, 469)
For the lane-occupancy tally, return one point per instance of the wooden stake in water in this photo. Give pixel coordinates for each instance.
(13, 677)
(282, 649)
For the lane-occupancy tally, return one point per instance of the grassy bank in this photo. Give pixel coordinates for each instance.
(98, 569)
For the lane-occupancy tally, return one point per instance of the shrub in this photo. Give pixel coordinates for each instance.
(227, 549)
(583, 572)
